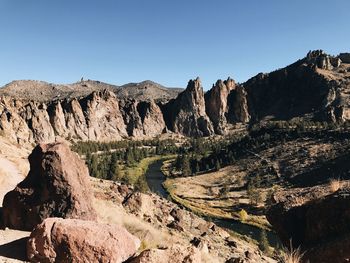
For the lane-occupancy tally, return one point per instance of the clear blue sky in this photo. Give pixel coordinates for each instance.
(168, 41)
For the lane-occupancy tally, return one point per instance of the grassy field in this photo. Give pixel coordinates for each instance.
(201, 194)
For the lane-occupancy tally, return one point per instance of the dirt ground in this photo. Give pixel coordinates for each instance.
(13, 167)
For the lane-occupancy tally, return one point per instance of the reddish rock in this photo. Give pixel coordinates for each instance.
(173, 254)
(57, 185)
(72, 240)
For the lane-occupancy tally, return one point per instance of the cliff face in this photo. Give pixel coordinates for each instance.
(99, 116)
(226, 102)
(186, 114)
(315, 87)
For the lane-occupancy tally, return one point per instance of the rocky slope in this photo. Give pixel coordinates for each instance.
(147, 90)
(42, 91)
(315, 87)
(171, 233)
(314, 219)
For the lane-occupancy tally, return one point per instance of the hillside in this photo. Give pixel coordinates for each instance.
(41, 91)
(147, 90)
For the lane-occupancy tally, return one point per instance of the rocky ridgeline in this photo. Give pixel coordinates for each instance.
(102, 116)
(315, 87)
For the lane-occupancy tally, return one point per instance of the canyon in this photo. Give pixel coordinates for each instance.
(289, 128)
(313, 88)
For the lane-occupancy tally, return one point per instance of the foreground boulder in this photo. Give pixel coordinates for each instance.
(73, 240)
(57, 185)
(315, 219)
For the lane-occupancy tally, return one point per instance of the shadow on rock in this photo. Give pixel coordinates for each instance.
(1, 219)
(15, 249)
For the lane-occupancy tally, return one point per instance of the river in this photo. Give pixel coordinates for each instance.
(155, 179)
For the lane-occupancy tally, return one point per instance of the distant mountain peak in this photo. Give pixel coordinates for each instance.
(44, 91)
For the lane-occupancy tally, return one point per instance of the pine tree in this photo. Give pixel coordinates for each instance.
(94, 166)
(197, 167)
(186, 167)
(217, 165)
(129, 157)
(116, 175)
(113, 167)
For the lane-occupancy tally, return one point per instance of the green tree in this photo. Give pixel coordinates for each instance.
(253, 193)
(186, 167)
(129, 157)
(141, 184)
(197, 167)
(217, 165)
(94, 166)
(113, 164)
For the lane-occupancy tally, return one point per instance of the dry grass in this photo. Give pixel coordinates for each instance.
(291, 255)
(111, 213)
(335, 184)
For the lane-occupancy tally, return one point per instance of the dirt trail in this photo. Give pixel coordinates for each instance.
(10, 176)
(12, 242)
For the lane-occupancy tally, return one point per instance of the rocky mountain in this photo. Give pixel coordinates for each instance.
(42, 91)
(147, 90)
(316, 87)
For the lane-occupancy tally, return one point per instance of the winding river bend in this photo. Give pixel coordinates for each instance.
(155, 179)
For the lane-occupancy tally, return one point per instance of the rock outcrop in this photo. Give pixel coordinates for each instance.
(216, 103)
(316, 219)
(57, 185)
(186, 114)
(238, 106)
(103, 116)
(174, 254)
(344, 57)
(315, 86)
(152, 118)
(72, 240)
